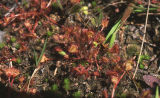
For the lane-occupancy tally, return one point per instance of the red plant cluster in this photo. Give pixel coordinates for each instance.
(80, 44)
(30, 17)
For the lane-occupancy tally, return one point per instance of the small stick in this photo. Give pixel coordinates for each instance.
(33, 74)
(142, 40)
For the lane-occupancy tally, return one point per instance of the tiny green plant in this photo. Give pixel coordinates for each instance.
(37, 60)
(66, 84)
(49, 33)
(142, 58)
(60, 4)
(94, 3)
(77, 94)
(17, 46)
(54, 88)
(19, 60)
(84, 9)
(13, 39)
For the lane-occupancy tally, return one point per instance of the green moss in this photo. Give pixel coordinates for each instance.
(132, 50)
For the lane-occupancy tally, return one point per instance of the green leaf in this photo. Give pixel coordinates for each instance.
(100, 17)
(62, 53)
(59, 4)
(157, 92)
(84, 9)
(112, 40)
(36, 57)
(112, 33)
(42, 52)
(141, 66)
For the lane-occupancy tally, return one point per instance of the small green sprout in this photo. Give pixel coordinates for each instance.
(19, 60)
(77, 94)
(39, 22)
(94, 3)
(49, 33)
(141, 66)
(66, 84)
(142, 58)
(46, 80)
(13, 39)
(54, 88)
(17, 46)
(95, 44)
(84, 9)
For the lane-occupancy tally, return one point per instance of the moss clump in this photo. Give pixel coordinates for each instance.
(132, 50)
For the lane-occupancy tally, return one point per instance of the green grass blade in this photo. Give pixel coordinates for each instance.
(100, 17)
(43, 50)
(59, 4)
(112, 40)
(36, 57)
(113, 30)
(157, 92)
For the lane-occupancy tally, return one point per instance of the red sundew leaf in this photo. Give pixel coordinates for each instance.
(105, 59)
(154, 1)
(27, 24)
(114, 79)
(33, 35)
(58, 49)
(12, 72)
(96, 73)
(44, 59)
(81, 70)
(105, 22)
(116, 59)
(59, 38)
(43, 5)
(75, 1)
(115, 49)
(73, 49)
(150, 80)
(105, 93)
(33, 90)
(4, 7)
(21, 79)
(1, 21)
(111, 73)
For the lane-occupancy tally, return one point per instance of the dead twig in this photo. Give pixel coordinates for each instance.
(33, 74)
(143, 39)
